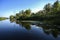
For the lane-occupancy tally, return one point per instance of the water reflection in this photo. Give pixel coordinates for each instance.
(48, 29)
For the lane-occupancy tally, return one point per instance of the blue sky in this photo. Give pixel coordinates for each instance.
(11, 7)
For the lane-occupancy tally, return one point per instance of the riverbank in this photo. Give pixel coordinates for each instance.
(3, 18)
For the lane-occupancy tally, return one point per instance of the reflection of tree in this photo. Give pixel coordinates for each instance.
(51, 30)
(11, 20)
(48, 29)
(54, 32)
(24, 24)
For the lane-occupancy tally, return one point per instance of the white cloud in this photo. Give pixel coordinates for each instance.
(36, 9)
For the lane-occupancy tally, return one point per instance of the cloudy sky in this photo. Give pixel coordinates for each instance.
(11, 7)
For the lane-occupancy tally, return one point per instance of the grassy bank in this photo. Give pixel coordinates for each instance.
(2, 18)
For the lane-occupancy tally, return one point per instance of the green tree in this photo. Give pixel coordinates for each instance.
(17, 15)
(56, 6)
(47, 7)
(11, 17)
(28, 12)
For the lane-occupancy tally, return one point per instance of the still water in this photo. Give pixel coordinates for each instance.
(27, 31)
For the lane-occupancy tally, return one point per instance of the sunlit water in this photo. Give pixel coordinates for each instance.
(13, 31)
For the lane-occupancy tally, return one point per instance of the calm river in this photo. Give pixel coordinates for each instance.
(27, 31)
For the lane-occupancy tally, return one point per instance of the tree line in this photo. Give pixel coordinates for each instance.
(3, 18)
(50, 14)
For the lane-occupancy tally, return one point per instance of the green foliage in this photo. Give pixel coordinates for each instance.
(56, 7)
(2, 18)
(48, 7)
(27, 12)
(50, 14)
(11, 17)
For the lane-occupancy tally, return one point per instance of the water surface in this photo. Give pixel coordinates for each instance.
(27, 31)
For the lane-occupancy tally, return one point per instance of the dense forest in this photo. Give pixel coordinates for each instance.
(49, 15)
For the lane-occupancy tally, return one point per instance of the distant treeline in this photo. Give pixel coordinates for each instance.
(3, 18)
(50, 14)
